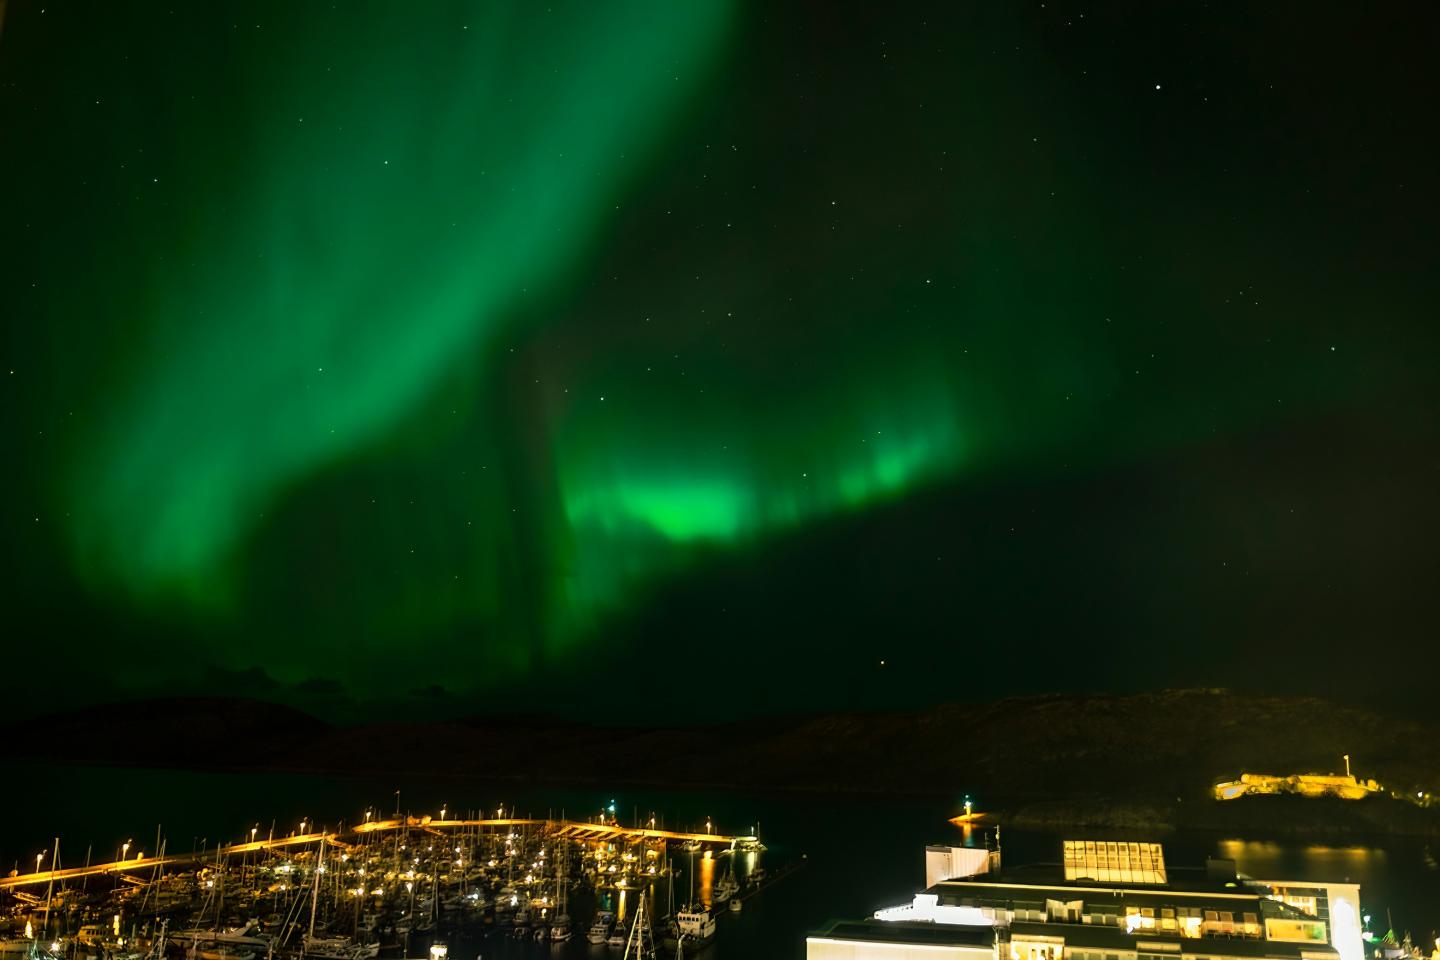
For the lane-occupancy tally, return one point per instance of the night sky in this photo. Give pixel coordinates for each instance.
(699, 358)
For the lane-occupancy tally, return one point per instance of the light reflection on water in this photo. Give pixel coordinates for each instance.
(1268, 860)
(706, 877)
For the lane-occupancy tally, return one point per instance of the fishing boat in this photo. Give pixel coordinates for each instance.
(696, 924)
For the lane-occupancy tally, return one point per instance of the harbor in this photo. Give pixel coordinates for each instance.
(823, 859)
(442, 886)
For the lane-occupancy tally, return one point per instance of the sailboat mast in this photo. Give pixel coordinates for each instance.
(315, 886)
(50, 887)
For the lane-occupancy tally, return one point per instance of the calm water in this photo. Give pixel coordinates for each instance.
(858, 854)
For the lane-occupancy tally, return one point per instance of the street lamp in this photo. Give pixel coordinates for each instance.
(125, 849)
(38, 857)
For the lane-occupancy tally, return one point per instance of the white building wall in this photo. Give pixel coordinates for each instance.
(826, 948)
(948, 863)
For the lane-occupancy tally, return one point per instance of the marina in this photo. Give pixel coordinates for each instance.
(441, 887)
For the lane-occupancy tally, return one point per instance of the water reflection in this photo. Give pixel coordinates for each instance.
(707, 877)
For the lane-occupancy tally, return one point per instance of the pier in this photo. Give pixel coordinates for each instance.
(579, 830)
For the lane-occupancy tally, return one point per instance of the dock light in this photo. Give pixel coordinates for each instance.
(38, 858)
(125, 848)
(115, 925)
(253, 831)
(302, 825)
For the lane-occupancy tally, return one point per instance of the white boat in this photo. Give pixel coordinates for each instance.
(618, 935)
(696, 925)
(600, 929)
(735, 905)
(724, 890)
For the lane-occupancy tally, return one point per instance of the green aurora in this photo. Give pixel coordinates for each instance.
(470, 329)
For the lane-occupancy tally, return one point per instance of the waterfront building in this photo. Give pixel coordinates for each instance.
(1103, 900)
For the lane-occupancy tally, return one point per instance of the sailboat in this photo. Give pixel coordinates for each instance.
(560, 926)
(640, 944)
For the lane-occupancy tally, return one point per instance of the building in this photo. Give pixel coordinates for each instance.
(1302, 784)
(1103, 900)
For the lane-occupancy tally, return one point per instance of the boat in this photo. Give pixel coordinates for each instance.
(640, 943)
(600, 929)
(235, 941)
(28, 948)
(693, 929)
(724, 890)
(560, 929)
(339, 948)
(220, 953)
(618, 935)
(735, 905)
